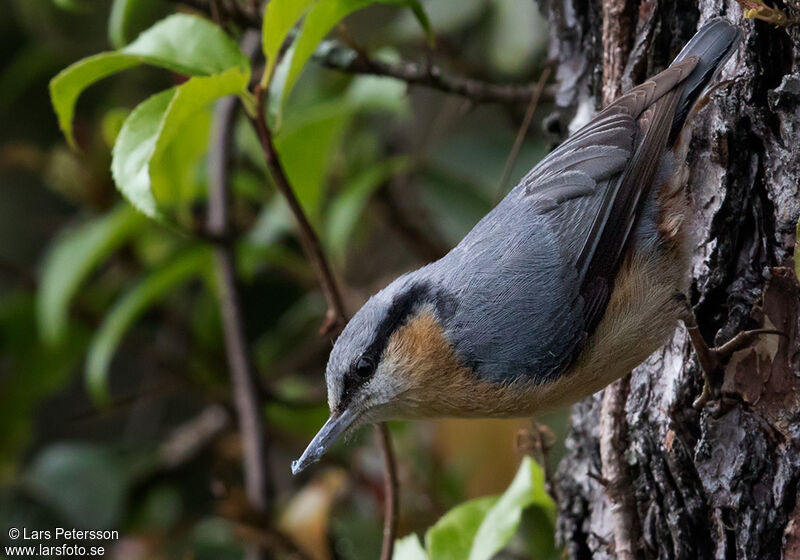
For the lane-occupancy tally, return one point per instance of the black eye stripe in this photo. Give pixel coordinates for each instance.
(397, 315)
(356, 377)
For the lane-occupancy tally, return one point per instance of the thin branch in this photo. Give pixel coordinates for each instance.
(335, 316)
(186, 441)
(537, 441)
(258, 485)
(522, 132)
(390, 486)
(335, 56)
(246, 390)
(616, 478)
(246, 393)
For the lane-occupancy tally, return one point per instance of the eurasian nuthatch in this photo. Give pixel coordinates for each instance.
(565, 286)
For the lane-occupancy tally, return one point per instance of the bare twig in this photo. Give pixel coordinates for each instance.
(186, 441)
(337, 57)
(521, 133)
(537, 441)
(257, 482)
(390, 491)
(615, 475)
(335, 316)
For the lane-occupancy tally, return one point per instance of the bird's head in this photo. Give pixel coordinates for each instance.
(382, 365)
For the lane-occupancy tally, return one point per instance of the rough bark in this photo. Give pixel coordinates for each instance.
(702, 486)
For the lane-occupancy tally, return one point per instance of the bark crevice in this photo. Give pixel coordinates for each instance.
(704, 487)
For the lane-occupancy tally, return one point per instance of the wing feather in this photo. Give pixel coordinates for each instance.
(595, 183)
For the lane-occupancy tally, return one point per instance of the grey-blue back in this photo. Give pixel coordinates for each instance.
(533, 277)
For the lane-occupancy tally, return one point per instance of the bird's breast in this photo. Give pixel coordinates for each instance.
(641, 314)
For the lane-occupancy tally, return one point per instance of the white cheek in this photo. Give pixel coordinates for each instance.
(384, 386)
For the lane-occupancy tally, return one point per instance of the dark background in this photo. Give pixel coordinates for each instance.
(66, 462)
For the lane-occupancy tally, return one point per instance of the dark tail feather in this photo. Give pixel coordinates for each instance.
(712, 44)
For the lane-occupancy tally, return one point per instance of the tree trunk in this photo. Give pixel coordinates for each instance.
(659, 479)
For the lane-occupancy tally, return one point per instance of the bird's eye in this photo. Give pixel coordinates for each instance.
(365, 367)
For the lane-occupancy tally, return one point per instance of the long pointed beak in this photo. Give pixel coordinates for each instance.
(336, 425)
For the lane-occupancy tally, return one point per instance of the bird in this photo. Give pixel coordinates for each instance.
(566, 285)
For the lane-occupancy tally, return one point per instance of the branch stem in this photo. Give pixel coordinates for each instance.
(246, 394)
(345, 59)
(336, 316)
(390, 486)
(429, 75)
(521, 133)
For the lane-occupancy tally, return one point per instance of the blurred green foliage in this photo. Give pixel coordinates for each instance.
(91, 285)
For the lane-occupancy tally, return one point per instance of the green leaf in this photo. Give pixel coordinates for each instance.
(189, 45)
(409, 548)
(191, 102)
(320, 19)
(70, 260)
(111, 125)
(129, 307)
(346, 209)
(69, 83)
(310, 136)
(134, 148)
(180, 43)
(84, 483)
(175, 172)
(502, 520)
(480, 528)
(129, 17)
(451, 537)
(306, 145)
(279, 19)
(149, 130)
